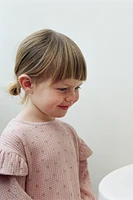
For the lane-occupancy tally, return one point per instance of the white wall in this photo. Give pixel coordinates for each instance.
(104, 31)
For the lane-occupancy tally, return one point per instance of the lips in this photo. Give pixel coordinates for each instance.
(64, 107)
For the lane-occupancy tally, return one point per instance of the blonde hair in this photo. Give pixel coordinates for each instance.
(48, 54)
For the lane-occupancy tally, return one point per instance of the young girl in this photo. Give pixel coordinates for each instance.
(41, 157)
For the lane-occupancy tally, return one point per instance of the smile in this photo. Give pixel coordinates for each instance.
(64, 107)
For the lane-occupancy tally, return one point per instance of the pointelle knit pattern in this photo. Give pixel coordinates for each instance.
(43, 161)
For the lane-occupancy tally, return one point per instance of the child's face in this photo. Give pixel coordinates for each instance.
(55, 100)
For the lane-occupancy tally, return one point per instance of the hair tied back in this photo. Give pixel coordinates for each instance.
(14, 88)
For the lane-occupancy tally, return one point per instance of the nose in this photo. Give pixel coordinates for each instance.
(72, 97)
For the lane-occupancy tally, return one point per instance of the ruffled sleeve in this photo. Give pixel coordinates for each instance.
(13, 167)
(84, 150)
(12, 164)
(12, 155)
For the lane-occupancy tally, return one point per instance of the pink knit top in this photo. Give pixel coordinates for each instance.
(43, 161)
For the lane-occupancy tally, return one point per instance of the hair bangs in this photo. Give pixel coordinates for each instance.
(69, 62)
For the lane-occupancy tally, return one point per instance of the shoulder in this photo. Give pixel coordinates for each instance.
(12, 153)
(66, 125)
(83, 148)
(13, 127)
(11, 137)
(16, 128)
(69, 128)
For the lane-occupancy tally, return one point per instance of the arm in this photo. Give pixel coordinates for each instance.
(13, 168)
(84, 178)
(83, 152)
(10, 189)
(85, 183)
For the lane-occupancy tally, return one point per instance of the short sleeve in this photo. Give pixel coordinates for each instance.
(84, 150)
(12, 156)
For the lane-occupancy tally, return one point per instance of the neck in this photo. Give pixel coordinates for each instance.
(31, 113)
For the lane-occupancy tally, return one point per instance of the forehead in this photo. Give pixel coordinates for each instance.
(62, 83)
(69, 82)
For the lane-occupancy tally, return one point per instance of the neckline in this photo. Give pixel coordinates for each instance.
(34, 123)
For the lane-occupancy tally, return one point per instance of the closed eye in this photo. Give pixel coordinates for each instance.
(77, 88)
(62, 89)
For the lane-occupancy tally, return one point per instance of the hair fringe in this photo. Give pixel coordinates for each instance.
(48, 54)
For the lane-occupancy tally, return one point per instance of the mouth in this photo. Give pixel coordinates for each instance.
(64, 107)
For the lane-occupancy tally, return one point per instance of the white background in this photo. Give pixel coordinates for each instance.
(104, 32)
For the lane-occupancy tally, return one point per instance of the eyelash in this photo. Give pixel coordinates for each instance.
(77, 88)
(64, 89)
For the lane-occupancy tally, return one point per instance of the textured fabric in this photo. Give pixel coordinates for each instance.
(43, 161)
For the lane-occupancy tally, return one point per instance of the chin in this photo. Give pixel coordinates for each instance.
(60, 116)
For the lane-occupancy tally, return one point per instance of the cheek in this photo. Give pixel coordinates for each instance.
(76, 97)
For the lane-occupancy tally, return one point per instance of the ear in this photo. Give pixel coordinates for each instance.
(26, 83)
